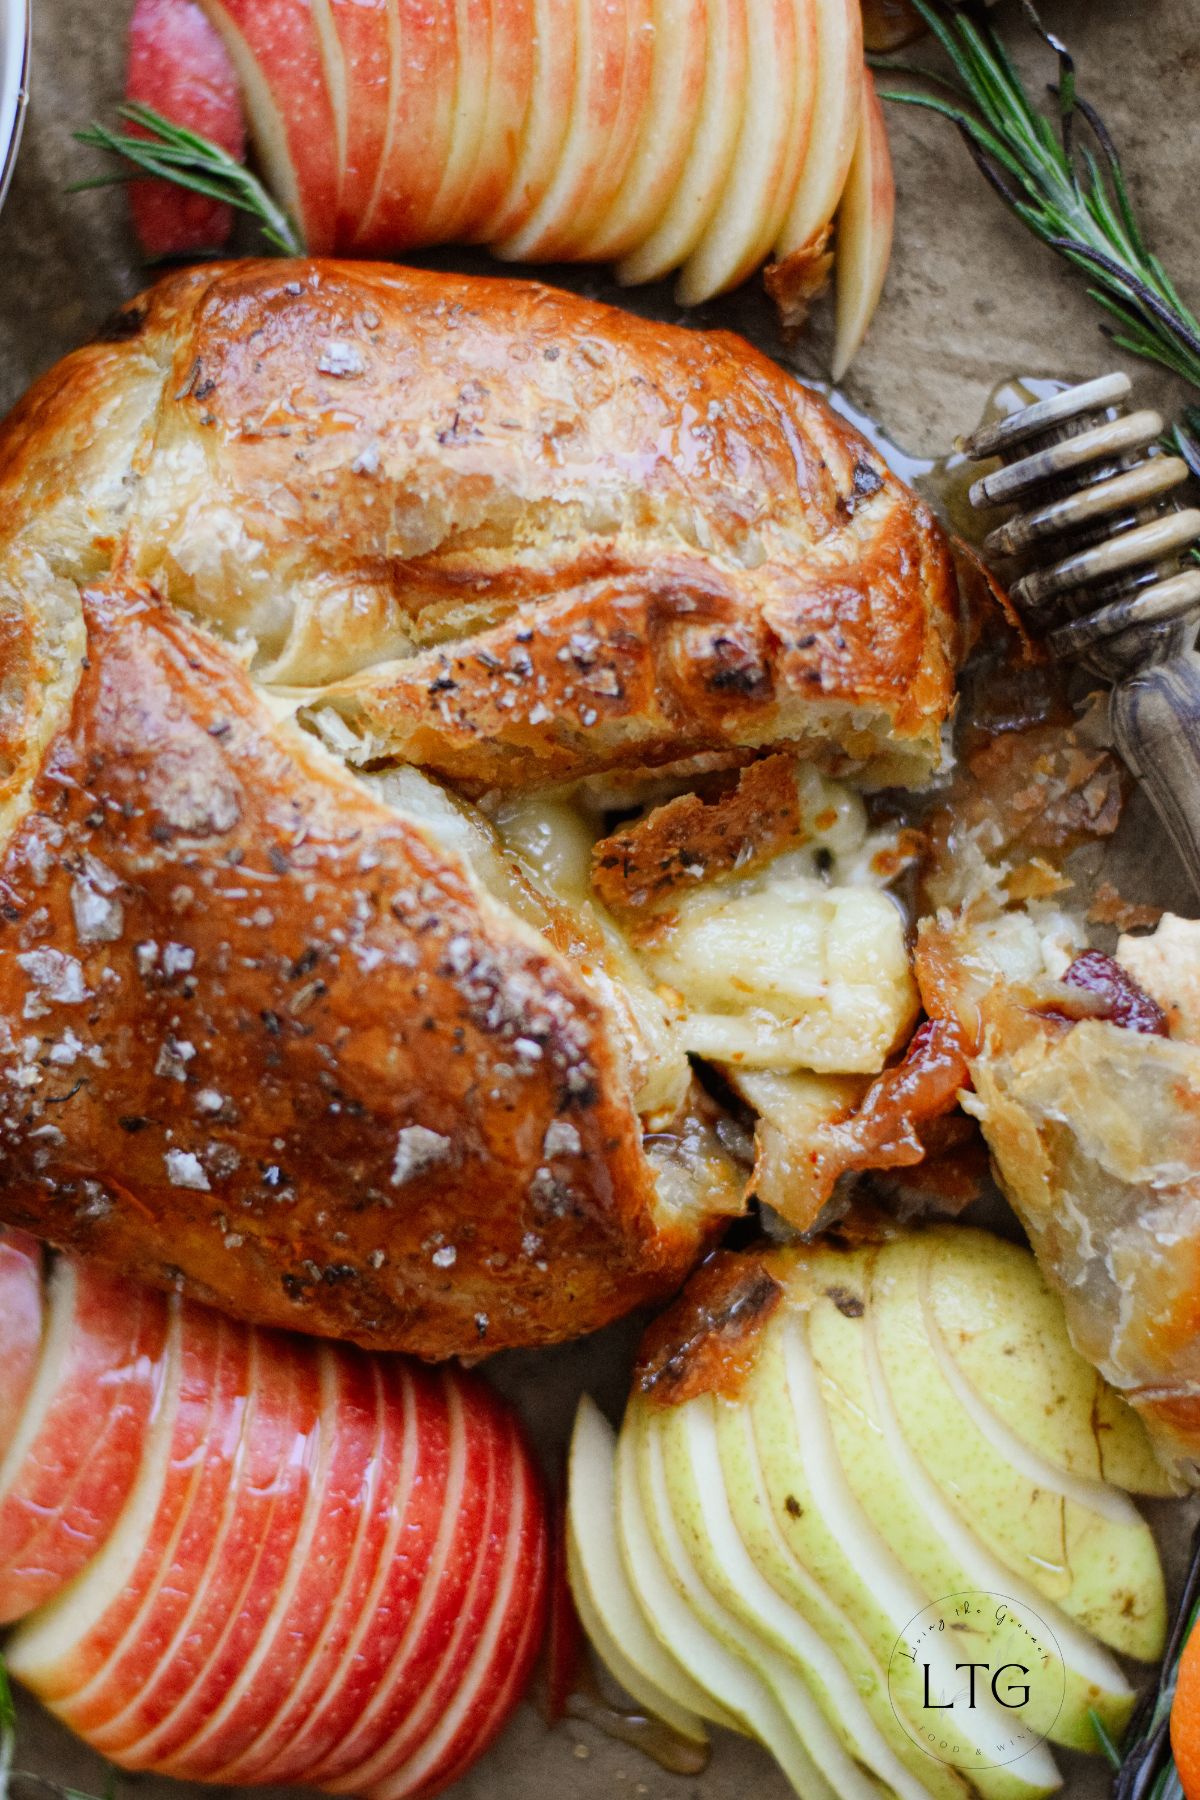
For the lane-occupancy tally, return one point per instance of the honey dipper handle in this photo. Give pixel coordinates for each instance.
(1155, 717)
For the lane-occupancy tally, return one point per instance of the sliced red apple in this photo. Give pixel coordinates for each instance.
(360, 28)
(837, 105)
(109, 1662)
(329, 1568)
(383, 1734)
(179, 66)
(864, 231)
(44, 1646)
(512, 1664)
(476, 1691)
(547, 113)
(398, 1559)
(98, 1383)
(278, 1495)
(718, 123)
(668, 122)
(371, 1473)
(748, 214)
(276, 53)
(21, 1313)
(296, 1608)
(613, 67)
(420, 1722)
(146, 1708)
(420, 124)
(402, 1514)
(455, 197)
(509, 88)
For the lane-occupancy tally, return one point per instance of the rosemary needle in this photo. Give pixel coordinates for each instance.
(1063, 178)
(172, 153)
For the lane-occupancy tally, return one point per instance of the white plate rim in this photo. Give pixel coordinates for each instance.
(14, 83)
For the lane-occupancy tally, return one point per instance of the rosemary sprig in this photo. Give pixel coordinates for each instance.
(1063, 178)
(173, 153)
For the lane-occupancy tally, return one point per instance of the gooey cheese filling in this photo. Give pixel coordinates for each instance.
(794, 973)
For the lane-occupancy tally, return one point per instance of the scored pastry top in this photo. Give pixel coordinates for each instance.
(307, 1033)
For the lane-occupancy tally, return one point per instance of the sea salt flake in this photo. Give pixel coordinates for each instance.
(561, 1139)
(173, 1058)
(184, 1170)
(58, 975)
(417, 1150)
(99, 916)
(66, 1050)
(341, 358)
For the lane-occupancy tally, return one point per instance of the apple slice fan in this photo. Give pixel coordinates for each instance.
(238, 1556)
(703, 137)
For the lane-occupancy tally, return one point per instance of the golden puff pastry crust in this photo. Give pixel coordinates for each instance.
(263, 1036)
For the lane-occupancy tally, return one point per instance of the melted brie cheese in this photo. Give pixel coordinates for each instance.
(792, 976)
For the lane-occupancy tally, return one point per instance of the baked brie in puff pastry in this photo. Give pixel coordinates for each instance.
(362, 634)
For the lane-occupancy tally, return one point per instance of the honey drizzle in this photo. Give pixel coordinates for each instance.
(665, 1746)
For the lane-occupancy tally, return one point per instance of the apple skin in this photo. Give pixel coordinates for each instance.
(356, 49)
(510, 76)
(834, 130)
(410, 1499)
(865, 223)
(420, 117)
(782, 79)
(613, 68)
(21, 1311)
(546, 122)
(711, 149)
(98, 1684)
(667, 134)
(675, 84)
(178, 65)
(329, 1568)
(97, 1385)
(276, 53)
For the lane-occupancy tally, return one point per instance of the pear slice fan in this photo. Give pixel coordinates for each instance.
(907, 1421)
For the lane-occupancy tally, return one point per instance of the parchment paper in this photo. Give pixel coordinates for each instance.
(971, 300)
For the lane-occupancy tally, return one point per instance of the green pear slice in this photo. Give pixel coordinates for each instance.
(793, 1658)
(665, 1612)
(607, 1605)
(1000, 1314)
(829, 1532)
(1078, 1541)
(717, 1646)
(941, 1552)
(884, 1745)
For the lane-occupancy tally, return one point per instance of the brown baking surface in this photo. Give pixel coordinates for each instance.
(970, 300)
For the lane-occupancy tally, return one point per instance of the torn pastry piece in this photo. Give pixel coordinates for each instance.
(1087, 1088)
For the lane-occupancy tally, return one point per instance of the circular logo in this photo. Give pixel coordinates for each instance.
(977, 1680)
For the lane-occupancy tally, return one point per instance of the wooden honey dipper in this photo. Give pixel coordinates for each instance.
(1101, 543)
